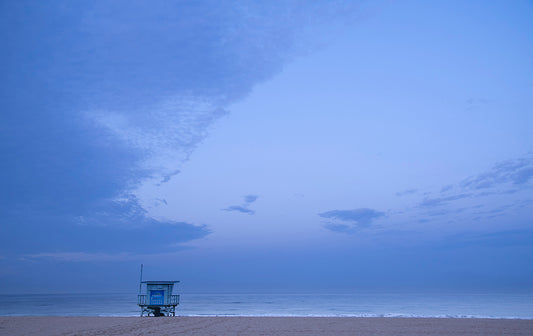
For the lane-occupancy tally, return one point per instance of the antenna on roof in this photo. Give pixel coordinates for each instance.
(141, 281)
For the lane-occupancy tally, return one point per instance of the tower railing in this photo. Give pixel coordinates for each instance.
(174, 300)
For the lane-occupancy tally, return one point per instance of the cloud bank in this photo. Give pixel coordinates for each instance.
(99, 97)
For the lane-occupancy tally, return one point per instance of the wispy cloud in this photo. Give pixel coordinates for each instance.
(517, 172)
(431, 202)
(504, 178)
(504, 184)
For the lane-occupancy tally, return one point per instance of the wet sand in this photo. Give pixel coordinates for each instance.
(289, 326)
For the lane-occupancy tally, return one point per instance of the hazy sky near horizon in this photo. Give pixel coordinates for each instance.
(281, 145)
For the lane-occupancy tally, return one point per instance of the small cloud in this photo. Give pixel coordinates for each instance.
(244, 208)
(249, 199)
(474, 103)
(406, 192)
(239, 209)
(355, 218)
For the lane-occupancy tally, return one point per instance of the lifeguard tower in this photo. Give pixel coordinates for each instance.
(158, 300)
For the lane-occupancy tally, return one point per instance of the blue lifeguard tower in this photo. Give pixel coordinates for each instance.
(158, 300)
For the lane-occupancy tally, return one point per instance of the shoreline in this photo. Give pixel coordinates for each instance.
(240, 325)
(289, 316)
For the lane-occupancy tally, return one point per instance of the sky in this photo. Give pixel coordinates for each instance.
(289, 146)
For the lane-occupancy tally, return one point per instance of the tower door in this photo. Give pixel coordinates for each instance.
(157, 297)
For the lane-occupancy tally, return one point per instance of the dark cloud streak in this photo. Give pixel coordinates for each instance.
(239, 208)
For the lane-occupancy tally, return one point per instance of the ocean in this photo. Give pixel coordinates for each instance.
(362, 304)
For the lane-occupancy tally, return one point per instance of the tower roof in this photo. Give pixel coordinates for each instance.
(159, 282)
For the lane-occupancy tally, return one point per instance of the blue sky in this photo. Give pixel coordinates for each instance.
(288, 146)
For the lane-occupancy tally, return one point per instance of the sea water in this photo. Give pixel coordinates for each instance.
(359, 304)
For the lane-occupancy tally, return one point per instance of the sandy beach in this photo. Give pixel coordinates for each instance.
(285, 326)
